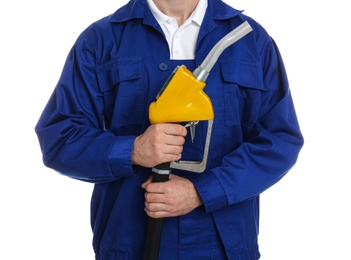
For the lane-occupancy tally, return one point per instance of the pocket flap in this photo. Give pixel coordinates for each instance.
(116, 71)
(244, 73)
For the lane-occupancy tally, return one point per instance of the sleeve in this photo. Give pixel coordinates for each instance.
(71, 130)
(270, 150)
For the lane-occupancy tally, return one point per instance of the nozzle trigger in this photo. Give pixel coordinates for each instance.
(192, 126)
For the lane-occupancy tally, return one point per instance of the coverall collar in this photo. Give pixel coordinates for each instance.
(138, 9)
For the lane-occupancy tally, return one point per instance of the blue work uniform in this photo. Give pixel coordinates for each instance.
(100, 104)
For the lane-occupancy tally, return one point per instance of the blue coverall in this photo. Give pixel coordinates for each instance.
(100, 104)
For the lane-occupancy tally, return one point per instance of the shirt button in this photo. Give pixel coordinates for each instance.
(163, 66)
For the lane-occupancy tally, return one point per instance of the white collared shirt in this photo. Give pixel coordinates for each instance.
(181, 39)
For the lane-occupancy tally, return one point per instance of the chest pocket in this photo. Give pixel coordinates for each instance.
(121, 83)
(243, 87)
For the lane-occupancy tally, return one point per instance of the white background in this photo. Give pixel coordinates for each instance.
(45, 215)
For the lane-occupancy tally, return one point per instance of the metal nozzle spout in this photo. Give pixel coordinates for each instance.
(201, 73)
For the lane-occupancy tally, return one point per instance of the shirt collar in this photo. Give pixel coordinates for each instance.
(199, 12)
(197, 15)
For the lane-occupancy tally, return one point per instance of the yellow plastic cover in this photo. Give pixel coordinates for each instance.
(181, 100)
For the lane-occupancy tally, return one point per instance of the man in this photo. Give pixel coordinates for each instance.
(95, 128)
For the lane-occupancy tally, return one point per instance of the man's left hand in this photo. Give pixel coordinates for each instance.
(175, 197)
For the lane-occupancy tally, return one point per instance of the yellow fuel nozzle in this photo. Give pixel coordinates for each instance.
(182, 98)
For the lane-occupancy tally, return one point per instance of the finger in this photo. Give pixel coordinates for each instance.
(147, 182)
(154, 190)
(172, 149)
(154, 197)
(175, 129)
(159, 211)
(175, 140)
(157, 214)
(154, 207)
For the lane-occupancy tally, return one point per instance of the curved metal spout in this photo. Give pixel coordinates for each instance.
(201, 73)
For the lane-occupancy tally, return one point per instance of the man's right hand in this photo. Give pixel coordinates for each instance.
(160, 143)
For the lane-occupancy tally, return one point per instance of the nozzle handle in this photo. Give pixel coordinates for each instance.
(160, 173)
